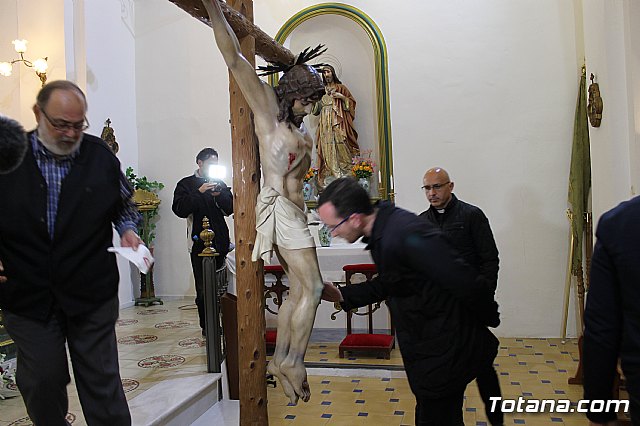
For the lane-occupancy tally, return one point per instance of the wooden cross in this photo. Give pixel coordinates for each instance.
(246, 184)
(241, 23)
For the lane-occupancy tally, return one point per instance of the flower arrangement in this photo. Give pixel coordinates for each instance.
(311, 173)
(362, 167)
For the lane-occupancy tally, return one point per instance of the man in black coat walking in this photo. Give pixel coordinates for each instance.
(468, 230)
(438, 303)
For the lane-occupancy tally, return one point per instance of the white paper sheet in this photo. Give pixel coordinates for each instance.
(142, 257)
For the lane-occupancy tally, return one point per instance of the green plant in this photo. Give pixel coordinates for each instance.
(141, 182)
(146, 229)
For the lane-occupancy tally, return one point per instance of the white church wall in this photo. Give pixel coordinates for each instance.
(108, 70)
(478, 89)
(183, 106)
(41, 23)
(610, 58)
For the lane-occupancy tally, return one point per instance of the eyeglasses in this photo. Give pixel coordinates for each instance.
(333, 228)
(435, 186)
(63, 126)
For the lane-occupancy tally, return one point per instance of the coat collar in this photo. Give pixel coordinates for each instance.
(384, 210)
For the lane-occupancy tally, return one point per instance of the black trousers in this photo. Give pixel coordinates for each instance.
(445, 411)
(42, 372)
(196, 265)
(488, 386)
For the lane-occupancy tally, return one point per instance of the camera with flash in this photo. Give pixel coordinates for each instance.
(215, 174)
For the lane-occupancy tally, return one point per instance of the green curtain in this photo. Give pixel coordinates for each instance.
(579, 175)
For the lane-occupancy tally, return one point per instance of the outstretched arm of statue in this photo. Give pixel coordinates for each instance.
(258, 94)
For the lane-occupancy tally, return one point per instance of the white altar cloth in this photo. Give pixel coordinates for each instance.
(331, 260)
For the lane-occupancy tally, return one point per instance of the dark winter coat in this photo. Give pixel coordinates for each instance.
(188, 201)
(74, 268)
(469, 232)
(443, 339)
(612, 315)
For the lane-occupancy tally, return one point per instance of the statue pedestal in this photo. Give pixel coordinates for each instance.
(147, 289)
(147, 203)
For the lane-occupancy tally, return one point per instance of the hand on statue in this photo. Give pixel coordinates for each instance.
(331, 293)
(3, 277)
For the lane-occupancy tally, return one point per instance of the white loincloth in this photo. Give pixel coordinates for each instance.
(281, 223)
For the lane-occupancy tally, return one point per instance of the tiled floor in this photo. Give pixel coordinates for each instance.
(161, 342)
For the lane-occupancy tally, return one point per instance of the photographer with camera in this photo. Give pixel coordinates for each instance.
(204, 194)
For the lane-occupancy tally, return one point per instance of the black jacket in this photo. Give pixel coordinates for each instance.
(74, 269)
(468, 229)
(188, 201)
(442, 341)
(612, 314)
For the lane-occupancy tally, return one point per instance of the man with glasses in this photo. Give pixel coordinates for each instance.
(469, 232)
(438, 304)
(58, 283)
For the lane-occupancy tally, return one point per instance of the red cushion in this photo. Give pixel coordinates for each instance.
(270, 336)
(273, 268)
(368, 340)
(360, 267)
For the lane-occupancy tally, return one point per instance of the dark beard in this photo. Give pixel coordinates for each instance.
(297, 120)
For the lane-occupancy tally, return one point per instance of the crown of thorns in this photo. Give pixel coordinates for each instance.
(306, 55)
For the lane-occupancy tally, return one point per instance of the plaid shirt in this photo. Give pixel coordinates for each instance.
(55, 168)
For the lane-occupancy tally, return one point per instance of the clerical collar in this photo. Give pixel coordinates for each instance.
(441, 210)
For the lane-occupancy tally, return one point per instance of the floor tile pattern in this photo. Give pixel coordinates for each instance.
(527, 368)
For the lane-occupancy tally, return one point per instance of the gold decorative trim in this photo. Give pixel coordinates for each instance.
(145, 200)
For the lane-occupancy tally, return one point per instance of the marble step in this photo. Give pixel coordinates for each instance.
(175, 402)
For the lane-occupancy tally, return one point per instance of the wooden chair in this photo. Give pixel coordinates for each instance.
(275, 290)
(365, 342)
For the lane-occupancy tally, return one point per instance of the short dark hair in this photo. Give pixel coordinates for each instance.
(45, 93)
(347, 196)
(205, 154)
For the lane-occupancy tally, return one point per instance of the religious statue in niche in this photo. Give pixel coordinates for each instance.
(109, 136)
(595, 105)
(336, 137)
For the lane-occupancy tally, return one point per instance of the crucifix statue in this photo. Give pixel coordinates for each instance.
(285, 154)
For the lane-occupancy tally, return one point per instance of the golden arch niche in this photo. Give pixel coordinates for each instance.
(358, 51)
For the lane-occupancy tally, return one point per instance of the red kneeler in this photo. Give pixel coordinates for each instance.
(365, 342)
(278, 289)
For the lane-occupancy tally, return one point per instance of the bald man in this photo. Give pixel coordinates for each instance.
(469, 232)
